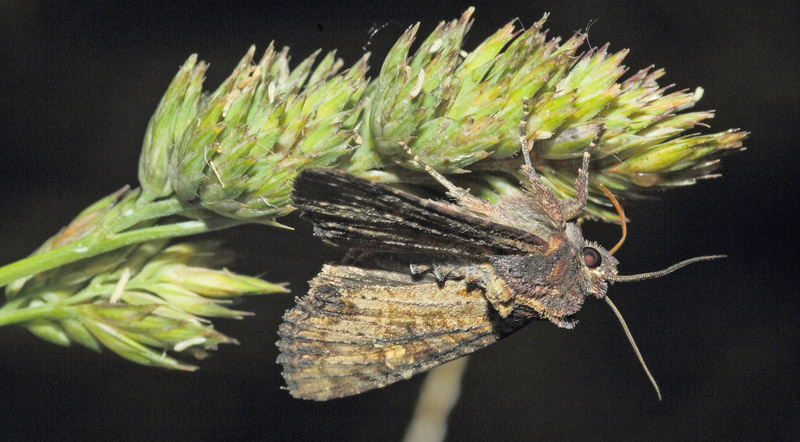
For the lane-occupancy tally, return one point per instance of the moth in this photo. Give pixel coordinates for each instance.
(426, 282)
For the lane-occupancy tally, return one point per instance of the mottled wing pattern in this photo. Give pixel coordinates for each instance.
(361, 214)
(361, 329)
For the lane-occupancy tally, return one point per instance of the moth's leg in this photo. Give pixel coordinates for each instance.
(574, 208)
(418, 269)
(464, 198)
(543, 197)
(483, 276)
(474, 274)
(445, 271)
(499, 295)
(441, 271)
(471, 274)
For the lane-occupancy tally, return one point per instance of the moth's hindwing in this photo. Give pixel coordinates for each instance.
(360, 329)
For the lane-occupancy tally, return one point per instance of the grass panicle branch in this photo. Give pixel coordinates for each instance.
(140, 302)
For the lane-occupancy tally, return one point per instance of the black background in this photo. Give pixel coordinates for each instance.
(78, 85)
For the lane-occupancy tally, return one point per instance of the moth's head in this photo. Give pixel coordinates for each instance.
(597, 263)
(599, 266)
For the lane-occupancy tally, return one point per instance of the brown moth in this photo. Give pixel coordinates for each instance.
(426, 282)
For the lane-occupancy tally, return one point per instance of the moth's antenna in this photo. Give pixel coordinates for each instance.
(621, 218)
(633, 344)
(659, 273)
(523, 133)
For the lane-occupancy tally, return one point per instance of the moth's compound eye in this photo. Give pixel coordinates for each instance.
(591, 257)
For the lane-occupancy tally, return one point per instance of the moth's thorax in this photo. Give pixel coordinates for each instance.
(555, 283)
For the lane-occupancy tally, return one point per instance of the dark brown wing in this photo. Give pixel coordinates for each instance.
(361, 214)
(361, 329)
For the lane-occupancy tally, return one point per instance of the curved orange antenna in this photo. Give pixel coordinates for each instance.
(621, 218)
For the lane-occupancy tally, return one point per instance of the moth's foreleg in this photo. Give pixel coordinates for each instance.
(499, 295)
(543, 196)
(574, 209)
(474, 274)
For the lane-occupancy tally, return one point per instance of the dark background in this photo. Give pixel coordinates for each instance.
(78, 85)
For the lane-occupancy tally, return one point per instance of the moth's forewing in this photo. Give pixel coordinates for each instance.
(357, 213)
(360, 329)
